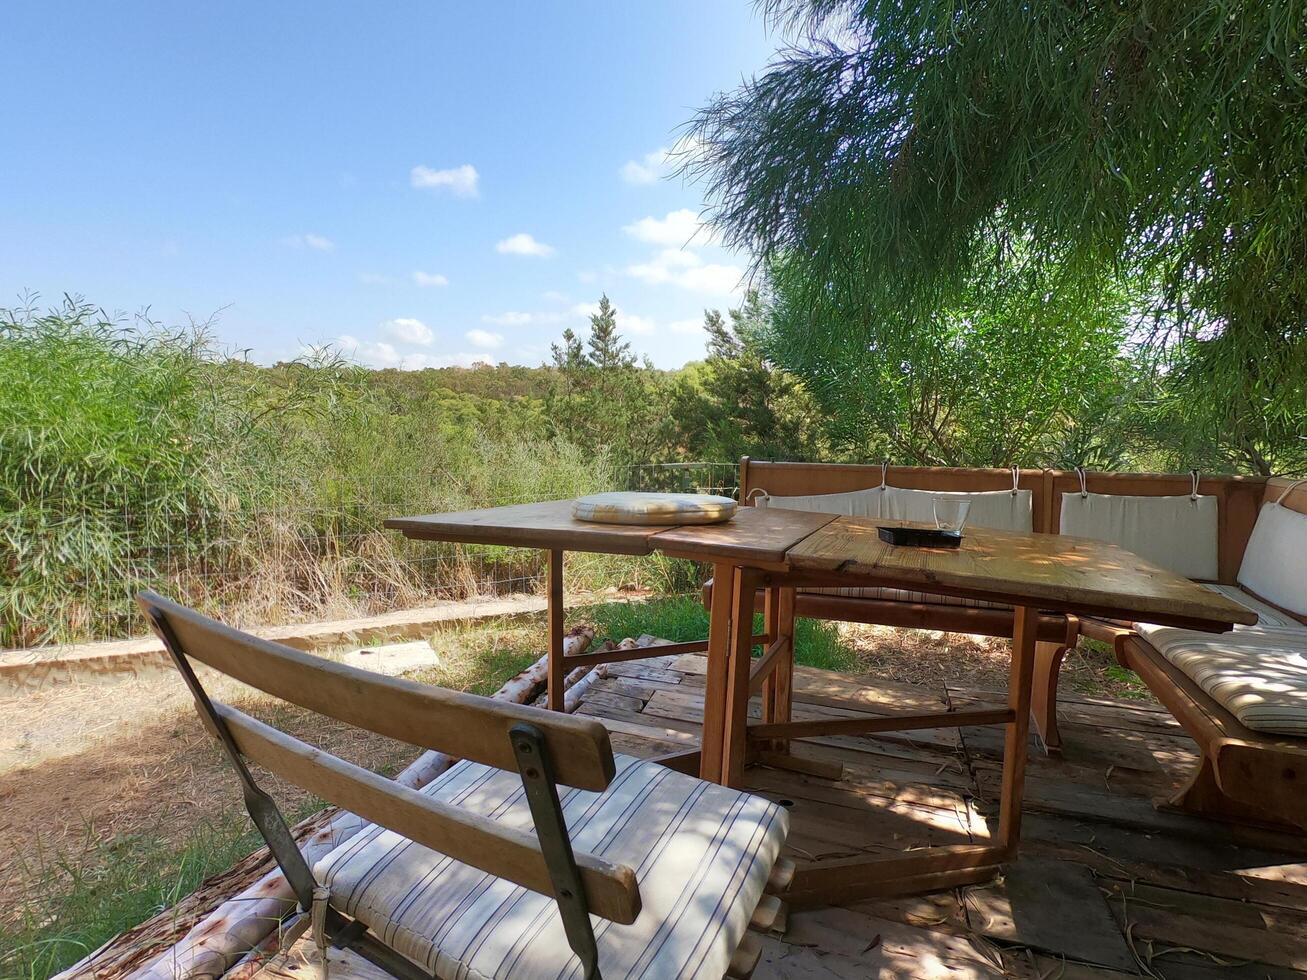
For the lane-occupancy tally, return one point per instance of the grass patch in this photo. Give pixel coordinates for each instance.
(90, 897)
(683, 618)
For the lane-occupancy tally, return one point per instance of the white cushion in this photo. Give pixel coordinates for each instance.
(1259, 675)
(1178, 533)
(1001, 509)
(1275, 561)
(701, 854)
(855, 503)
(653, 509)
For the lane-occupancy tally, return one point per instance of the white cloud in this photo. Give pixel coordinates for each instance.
(635, 324)
(554, 296)
(319, 243)
(587, 276)
(685, 269)
(429, 278)
(660, 163)
(691, 326)
(677, 228)
(460, 181)
(524, 244)
(379, 354)
(484, 338)
(408, 331)
(511, 318)
(647, 169)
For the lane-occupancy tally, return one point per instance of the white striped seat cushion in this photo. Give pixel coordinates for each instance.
(701, 854)
(1258, 674)
(903, 595)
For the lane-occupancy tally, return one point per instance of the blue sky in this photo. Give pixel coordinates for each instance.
(421, 183)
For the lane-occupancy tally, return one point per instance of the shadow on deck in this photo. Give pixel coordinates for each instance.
(1106, 886)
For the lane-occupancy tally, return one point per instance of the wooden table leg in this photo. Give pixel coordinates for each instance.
(1025, 624)
(554, 602)
(777, 688)
(771, 614)
(783, 692)
(735, 740)
(711, 741)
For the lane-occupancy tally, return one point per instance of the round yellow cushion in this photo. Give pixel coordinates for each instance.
(654, 508)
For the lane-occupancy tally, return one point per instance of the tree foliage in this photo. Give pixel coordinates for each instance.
(604, 397)
(902, 154)
(736, 403)
(1008, 377)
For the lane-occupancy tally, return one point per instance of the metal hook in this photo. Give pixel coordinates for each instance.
(1084, 489)
(759, 496)
(1193, 474)
(884, 473)
(1016, 477)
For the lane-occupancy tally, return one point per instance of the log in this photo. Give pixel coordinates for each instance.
(520, 689)
(230, 933)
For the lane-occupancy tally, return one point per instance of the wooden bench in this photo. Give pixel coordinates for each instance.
(489, 870)
(1245, 774)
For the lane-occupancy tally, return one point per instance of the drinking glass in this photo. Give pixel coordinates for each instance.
(951, 512)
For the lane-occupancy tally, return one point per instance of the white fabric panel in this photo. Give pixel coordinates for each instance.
(1257, 674)
(1001, 509)
(1275, 562)
(855, 503)
(1178, 533)
(701, 853)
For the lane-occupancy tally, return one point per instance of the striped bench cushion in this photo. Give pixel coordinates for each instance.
(701, 854)
(902, 595)
(1257, 674)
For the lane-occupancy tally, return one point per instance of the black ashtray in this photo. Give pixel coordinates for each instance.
(920, 537)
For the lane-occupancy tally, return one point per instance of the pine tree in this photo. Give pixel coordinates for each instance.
(607, 349)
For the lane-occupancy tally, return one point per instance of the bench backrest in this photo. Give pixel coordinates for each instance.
(1203, 539)
(463, 725)
(1274, 564)
(1229, 515)
(992, 506)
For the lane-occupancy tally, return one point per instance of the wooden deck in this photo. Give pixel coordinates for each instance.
(1107, 885)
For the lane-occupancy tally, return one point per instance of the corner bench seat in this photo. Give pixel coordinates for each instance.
(689, 842)
(1258, 674)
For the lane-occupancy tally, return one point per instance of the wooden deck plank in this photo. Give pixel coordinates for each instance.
(1196, 906)
(1028, 908)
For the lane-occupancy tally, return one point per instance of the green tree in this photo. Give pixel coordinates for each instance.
(901, 152)
(604, 397)
(1012, 376)
(736, 402)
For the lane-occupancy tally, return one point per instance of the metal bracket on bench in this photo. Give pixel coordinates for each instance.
(551, 830)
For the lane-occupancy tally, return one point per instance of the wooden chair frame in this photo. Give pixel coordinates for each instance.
(543, 747)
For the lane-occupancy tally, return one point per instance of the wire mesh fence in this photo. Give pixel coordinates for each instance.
(282, 559)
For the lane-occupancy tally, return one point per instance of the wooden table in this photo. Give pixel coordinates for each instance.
(777, 551)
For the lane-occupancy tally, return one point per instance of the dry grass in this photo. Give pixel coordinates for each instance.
(932, 657)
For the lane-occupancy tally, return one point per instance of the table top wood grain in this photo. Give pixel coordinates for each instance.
(1054, 571)
(762, 535)
(1051, 571)
(548, 524)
